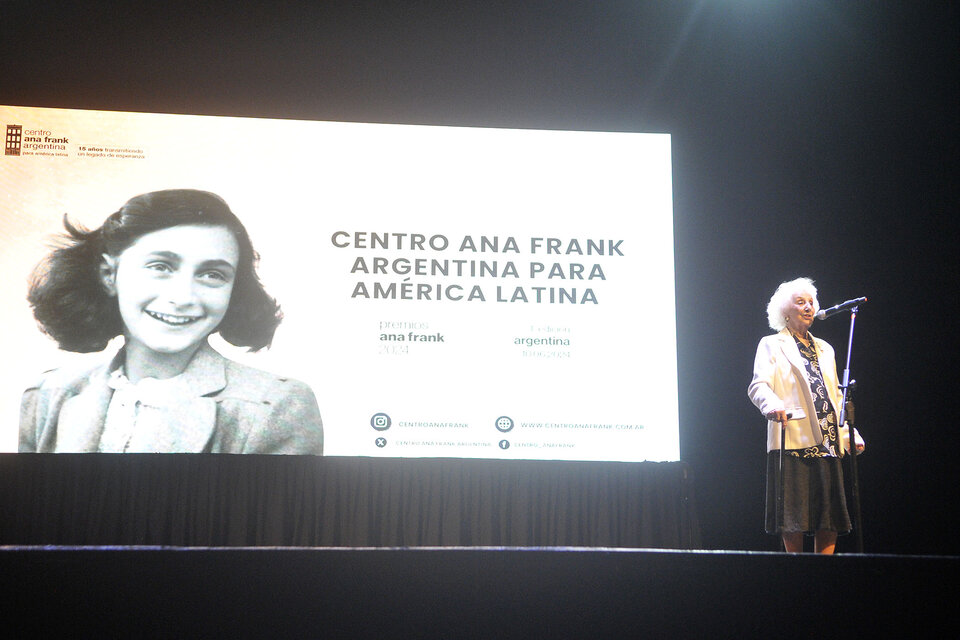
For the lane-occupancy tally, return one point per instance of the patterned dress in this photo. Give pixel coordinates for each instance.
(826, 416)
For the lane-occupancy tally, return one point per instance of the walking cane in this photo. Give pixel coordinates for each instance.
(783, 432)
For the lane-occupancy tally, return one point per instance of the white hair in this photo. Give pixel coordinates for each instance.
(776, 308)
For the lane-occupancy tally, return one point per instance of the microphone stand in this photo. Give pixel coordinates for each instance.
(854, 480)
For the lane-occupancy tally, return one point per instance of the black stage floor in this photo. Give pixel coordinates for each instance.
(476, 592)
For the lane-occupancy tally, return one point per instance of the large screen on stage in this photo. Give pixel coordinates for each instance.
(444, 291)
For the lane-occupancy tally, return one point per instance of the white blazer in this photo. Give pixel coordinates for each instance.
(780, 383)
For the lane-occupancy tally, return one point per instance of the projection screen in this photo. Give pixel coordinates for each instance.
(446, 291)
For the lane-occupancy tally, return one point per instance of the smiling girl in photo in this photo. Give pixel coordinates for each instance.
(165, 271)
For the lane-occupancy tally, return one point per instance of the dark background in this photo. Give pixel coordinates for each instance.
(809, 138)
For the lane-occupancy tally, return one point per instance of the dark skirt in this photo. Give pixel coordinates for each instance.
(813, 499)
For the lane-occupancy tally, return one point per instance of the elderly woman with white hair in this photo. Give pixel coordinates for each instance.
(795, 383)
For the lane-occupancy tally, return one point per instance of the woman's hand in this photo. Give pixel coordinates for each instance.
(777, 416)
(845, 439)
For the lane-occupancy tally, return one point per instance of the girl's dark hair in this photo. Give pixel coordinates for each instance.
(73, 307)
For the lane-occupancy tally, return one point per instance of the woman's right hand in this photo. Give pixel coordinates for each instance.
(777, 416)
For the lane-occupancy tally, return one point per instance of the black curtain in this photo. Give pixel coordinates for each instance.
(223, 500)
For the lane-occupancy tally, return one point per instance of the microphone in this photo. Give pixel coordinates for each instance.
(837, 308)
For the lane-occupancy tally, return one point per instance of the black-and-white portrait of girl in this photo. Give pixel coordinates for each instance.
(166, 271)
